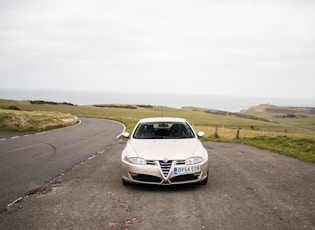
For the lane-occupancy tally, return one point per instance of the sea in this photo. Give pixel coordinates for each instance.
(216, 102)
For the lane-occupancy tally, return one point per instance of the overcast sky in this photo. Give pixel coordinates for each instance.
(248, 48)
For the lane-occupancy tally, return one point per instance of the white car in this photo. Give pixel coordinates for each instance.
(164, 151)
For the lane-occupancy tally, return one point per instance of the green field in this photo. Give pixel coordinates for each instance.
(268, 135)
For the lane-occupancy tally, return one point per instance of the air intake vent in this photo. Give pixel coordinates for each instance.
(165, 167)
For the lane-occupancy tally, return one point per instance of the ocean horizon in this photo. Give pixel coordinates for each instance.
(217, 102)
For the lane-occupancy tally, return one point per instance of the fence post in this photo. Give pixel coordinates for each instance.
(216, 135)
(237, 134)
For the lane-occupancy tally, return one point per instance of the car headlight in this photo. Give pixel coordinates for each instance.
(137, 160)
(193, 160)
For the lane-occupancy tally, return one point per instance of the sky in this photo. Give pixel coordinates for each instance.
(226, 47)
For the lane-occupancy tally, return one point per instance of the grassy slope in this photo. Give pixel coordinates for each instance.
(250, 130)
(34, 121)
(297, 147)
(307, 123)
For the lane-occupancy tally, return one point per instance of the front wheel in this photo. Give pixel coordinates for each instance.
(204, 182)
(126, 183)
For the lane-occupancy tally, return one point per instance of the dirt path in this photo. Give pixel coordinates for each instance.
(248, 188)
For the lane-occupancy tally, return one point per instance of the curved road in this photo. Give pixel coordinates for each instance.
(29, 161)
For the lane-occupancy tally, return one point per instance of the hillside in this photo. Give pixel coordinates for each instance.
(286, 110)
(301, 117)
(225, 113)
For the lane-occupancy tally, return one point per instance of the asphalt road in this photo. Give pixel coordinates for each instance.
(29, 161)
(248, 188)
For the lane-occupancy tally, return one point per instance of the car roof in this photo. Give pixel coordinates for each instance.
(163, 119)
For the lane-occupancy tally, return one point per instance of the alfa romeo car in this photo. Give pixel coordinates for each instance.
(164, 151)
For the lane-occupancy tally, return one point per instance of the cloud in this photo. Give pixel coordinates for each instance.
(203, 46)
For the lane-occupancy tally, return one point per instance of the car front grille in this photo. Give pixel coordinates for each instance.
(150, 162)
(182, 178)
(180, 162)
(147, 178)
(165, 167)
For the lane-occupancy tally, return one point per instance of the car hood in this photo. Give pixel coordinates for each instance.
(172, 149)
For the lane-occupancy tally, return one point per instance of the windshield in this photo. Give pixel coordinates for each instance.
(167, 130)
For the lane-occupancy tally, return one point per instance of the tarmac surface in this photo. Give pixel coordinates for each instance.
(248, 188)
(27, 161)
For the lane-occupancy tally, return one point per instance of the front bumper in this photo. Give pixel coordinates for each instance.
(159, 173)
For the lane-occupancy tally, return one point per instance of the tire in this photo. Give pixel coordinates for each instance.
(125, 182)
(204, 182)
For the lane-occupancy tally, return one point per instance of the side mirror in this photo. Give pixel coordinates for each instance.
(201, 134)
(125, 134)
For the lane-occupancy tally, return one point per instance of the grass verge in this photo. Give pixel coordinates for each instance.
(34, 121)
(299, 148)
